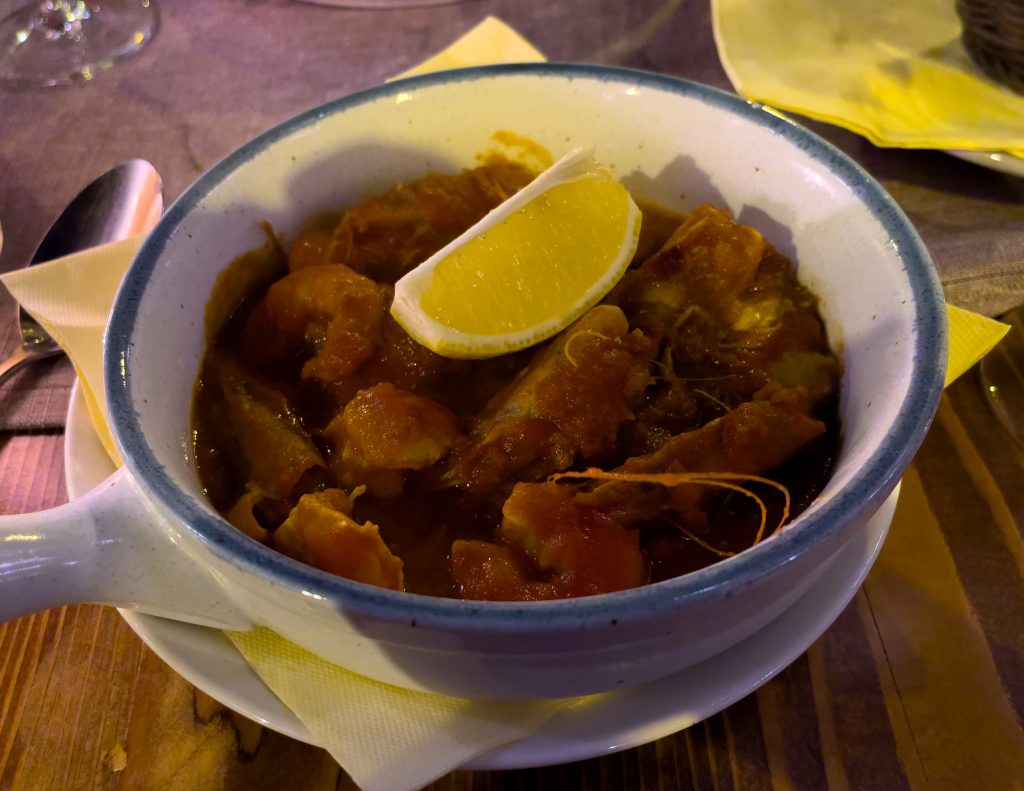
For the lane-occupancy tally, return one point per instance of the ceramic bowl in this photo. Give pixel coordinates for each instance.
(148, 539)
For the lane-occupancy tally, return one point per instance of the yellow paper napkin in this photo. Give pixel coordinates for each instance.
(492, 41)
(386, 738)
(970, 338)
(71, 298)
(893, 71)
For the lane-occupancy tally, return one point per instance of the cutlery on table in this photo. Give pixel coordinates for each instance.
(123, 202)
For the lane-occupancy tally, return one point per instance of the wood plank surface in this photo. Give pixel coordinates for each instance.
(918, 684)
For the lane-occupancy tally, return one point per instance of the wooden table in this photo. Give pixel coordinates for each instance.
(920, 682)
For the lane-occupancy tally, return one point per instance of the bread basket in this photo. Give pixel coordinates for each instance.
(993, 35)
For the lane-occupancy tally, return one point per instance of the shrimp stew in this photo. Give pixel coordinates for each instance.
(680, 421)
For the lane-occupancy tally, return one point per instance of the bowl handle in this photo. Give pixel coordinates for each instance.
(109, 547)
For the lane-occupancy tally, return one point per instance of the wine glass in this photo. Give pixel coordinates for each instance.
(1002, 376)
(57, 42)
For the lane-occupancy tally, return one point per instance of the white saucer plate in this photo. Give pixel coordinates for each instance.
(616, 721)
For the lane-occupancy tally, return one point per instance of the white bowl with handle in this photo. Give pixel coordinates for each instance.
(148, 539)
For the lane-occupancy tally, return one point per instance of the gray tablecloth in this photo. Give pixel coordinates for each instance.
(221, 71)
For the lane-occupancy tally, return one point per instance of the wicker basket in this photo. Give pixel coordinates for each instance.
(994, 37)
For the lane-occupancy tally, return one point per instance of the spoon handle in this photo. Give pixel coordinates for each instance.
(22, 356)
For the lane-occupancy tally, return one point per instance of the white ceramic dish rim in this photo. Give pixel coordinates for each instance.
(868, 487)
(620, 720)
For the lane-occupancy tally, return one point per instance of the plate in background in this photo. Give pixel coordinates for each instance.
(993, 160)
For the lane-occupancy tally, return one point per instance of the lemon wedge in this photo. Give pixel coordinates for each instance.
(528, 269)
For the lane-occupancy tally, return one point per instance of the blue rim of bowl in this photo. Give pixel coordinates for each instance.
(860, 496)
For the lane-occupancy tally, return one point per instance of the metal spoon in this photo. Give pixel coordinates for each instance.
(123, 202)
